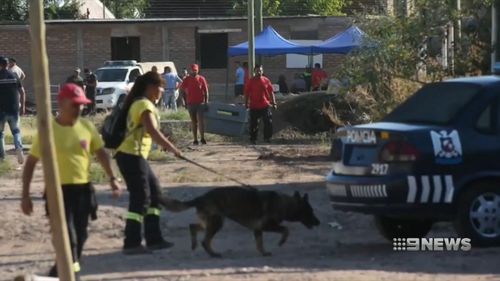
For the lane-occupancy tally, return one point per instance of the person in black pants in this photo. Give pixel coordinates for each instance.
(142, 184)
(259, 98)
(90, 89)
(76, 139)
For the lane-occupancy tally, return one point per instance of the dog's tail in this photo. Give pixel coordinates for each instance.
(174, 205)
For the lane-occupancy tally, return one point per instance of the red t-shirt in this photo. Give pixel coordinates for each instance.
(195, 89)
(259, 91)
(317, 76)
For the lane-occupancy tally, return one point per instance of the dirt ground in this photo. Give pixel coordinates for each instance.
(354, 252)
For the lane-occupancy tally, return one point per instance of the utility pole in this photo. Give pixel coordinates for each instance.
(444, 49)
(259, 22)
(451, 47)
(494, 35)
(459, 21)
(251, 37)
(58, 227)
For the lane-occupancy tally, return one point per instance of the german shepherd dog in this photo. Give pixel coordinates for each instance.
(258, 210)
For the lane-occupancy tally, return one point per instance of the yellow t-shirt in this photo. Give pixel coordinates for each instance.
(74, 147)
(138, 141)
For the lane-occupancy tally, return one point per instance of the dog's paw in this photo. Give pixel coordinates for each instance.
(266, 254)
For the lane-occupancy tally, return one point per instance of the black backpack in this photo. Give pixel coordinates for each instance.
(114, 128)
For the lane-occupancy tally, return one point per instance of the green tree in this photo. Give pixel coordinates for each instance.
(400, 48)
(17, 10)
(69, 9)
(294, 7)
(127, 8)
(13, 10)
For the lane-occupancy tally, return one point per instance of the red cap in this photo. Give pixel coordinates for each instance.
(195, 67)
(74, 93)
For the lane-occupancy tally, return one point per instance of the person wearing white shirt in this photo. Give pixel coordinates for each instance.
(239, 84)
(13, 67)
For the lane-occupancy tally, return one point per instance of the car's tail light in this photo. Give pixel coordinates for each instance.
(398, 151)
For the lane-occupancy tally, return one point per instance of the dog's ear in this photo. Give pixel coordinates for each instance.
(306, 197)
(296, 195)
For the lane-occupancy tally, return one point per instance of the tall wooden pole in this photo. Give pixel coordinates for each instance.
(259, 22)
(251, 37)
(459, 20)
(39, 62)
(494, 35)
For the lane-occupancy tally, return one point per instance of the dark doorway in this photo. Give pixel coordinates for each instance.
(212, 50)
(126, 48)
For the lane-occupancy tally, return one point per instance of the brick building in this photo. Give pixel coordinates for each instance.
(88, 43)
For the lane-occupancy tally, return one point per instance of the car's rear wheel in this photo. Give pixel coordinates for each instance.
(478, 214)
(391, 228)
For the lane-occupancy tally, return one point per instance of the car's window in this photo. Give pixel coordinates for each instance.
(111, 75)
(484, 122)
(133, 75)
(436, 103)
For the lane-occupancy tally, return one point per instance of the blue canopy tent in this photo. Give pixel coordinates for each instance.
(341, 43)
(269, 43)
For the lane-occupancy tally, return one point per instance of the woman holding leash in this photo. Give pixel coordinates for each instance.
(131, 156)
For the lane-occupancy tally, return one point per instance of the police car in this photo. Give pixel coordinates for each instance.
(436, 157)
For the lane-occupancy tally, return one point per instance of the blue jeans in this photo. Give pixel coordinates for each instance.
(170, 99)
(13, 120)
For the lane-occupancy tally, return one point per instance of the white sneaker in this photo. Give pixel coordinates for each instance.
(20, 156)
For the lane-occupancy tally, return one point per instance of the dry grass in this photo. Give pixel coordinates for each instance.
(97, 119)
(182, 135)
(184, 177)
(5, 167)
(181, 114)
(187, 176)
(157, 155)
(28, 130)
(364, 107)
(293, 136)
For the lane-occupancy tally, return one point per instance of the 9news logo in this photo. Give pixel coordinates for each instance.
(431, 244)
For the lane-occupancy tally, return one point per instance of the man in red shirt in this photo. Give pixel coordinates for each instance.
(318, 76)
(196, 98)
(259, 97)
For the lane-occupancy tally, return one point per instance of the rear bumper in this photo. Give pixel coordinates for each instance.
(398, 196)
